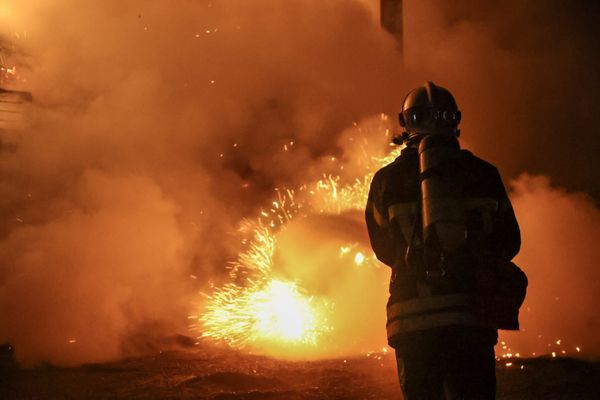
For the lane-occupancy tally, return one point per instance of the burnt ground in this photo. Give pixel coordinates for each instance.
(219, 374)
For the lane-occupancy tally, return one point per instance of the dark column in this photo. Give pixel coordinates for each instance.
(391, 19)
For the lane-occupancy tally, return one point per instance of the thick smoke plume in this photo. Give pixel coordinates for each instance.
(524, 74)
(157, 126)
(560, 255)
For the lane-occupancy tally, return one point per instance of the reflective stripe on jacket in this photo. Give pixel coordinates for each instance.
(431, 312)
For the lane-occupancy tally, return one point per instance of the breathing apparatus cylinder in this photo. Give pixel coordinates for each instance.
(444, 226)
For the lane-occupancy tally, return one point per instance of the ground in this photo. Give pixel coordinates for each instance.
(212, 373)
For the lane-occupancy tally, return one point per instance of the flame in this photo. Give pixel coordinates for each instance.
(9, 74)
(264, 311)
(262, 308)
(274, 311)
(281, 310)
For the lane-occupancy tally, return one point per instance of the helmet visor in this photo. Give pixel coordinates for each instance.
(429, 117)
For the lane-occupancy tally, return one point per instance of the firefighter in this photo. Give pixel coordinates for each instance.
(441, 219)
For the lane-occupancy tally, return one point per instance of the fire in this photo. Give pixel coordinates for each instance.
(282, 311)
(262, 310)
(9, 73)
(274, 311)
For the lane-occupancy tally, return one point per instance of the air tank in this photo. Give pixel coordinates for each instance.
(444, 227)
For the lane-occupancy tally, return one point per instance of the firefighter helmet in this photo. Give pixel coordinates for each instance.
(426, 110)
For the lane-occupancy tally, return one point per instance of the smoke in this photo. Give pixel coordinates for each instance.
(560, 256)
(72, 286)
(156, 128)
(158, 125)
(524, 76)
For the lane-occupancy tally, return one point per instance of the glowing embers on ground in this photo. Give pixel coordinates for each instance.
(273, 308)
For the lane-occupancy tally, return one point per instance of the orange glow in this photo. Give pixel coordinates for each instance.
(279, 316)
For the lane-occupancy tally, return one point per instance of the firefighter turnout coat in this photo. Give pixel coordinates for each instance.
(394, 221)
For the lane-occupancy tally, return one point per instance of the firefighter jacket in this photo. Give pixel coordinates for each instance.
(393, 219)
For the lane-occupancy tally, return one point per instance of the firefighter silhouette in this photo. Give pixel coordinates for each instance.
(441, 219)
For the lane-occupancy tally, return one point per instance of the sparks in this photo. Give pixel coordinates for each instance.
(262, 310)
(276, 311)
